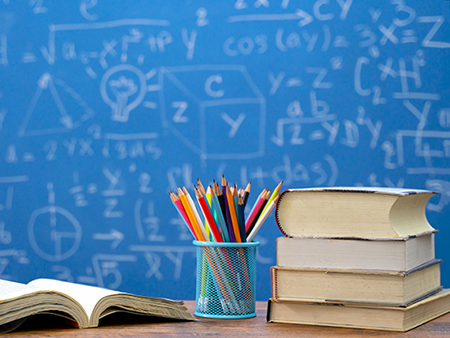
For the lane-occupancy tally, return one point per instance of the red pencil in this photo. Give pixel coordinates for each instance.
(255, 211)
(176, 201)
(208, 216)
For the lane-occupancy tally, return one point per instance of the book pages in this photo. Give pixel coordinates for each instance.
(87, 296)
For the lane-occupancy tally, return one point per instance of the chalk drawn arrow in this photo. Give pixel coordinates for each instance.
(306, 18)
(115, 236)
(299, 14)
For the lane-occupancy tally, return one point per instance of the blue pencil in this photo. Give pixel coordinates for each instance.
(241, 219)
(219, 214)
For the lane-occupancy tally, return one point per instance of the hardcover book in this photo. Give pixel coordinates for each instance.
(363, 286)
(353, 212)
(390, 254)
(360, 315)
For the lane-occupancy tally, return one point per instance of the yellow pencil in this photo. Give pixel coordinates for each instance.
(196, 214)
(274, 195)
(201, 190)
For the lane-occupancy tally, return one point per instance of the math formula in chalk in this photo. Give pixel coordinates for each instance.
(106, 106)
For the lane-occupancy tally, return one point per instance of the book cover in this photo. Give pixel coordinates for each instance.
(353, 212)
(364, 286)
(361, 316)
(391, 254)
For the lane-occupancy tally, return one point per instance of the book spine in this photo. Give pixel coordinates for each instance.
(273, 282)
(277, 211)
(269, 310)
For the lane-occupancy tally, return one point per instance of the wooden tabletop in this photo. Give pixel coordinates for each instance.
(254, 327)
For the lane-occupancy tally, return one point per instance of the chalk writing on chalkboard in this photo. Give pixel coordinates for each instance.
(106, 106)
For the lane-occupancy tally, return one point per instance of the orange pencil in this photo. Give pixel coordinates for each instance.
(201, 189)
(177, 203)
(190, 214)
(196, 214)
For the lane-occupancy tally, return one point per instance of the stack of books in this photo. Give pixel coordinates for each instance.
(356, 257)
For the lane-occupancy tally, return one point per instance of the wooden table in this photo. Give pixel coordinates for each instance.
(243, 328)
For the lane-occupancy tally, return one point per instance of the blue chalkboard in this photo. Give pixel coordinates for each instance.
(105, 106)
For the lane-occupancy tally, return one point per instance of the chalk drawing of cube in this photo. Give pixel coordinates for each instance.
(217, 111)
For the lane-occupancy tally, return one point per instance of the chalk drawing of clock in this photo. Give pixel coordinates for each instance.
(54, 233)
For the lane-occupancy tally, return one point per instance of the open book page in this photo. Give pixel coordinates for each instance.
(19, 301)
(86, 295)
(9, 290)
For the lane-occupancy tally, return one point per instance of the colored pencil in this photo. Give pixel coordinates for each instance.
(274, 195)
(202, 192)
(222, 211)
(228, 213)
(258, 214)
(212, 225)
(262, 219)
(259, 202)
(200, 187)
(256, 202)
(247, 193)
(220, 198)
(221, 220)
(177, 203)
(190, 214)
(235, 195)
(230, 200)
(196, 214)
(241, 219)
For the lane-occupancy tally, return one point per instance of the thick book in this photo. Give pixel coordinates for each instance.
(353, 212)
(389, 288)
(83, 305)
(360, 315)
(396, 254)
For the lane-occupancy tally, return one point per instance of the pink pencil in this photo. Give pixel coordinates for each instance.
(180, 208)
(254, 212)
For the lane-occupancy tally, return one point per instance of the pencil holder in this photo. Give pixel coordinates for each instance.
(226, 277)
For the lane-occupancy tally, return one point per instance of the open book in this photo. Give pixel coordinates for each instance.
(83, 304)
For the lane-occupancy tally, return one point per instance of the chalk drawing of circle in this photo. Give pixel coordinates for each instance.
(142, 89)
(59, 233)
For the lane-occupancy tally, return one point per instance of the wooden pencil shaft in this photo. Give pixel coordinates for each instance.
(254, 212)
(220, 218)
(233, 215)
(262, 219)
(185, 218)
(242, 220)
(190, 215)
(209, 218)
(260, 211)
(228, 219)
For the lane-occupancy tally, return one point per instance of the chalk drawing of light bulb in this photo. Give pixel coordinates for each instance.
(123, 88)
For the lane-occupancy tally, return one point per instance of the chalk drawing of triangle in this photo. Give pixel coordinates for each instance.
(47, 113)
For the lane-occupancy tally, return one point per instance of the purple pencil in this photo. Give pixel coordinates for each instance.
(227, 211)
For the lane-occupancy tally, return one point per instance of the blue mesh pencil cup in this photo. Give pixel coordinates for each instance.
(226, 278)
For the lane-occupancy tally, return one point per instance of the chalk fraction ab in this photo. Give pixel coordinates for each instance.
(356, 257)
(83, 305)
